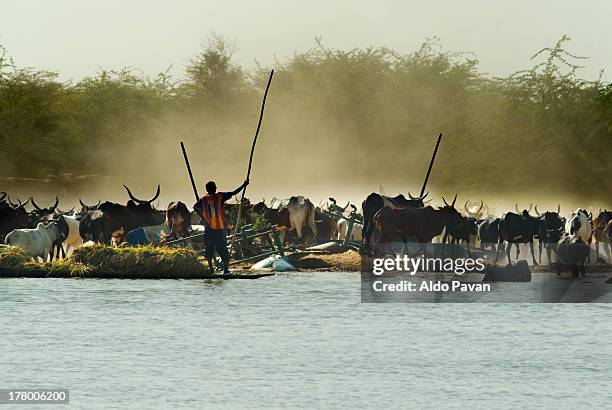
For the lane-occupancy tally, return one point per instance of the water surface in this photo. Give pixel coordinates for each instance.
(299, 340)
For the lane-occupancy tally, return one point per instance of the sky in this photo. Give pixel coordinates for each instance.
(77, 38)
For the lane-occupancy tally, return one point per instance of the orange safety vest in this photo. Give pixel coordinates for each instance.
(213, 210)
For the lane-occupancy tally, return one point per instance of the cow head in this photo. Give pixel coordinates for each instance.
(418, 200)
(524, 210)
(552, 226)
(452, 217)
(86, 208)
(142, 209)
(469, 210)
(39, 213)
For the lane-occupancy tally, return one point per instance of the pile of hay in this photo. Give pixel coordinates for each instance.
(105, 261)
(138, 262)
(13, 258)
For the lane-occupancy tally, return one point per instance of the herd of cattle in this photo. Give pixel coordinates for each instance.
(44, 232)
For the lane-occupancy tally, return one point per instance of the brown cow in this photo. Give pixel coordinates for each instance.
(178, 221)
(423, 224)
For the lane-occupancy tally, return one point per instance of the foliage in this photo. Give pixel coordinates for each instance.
(368, 108)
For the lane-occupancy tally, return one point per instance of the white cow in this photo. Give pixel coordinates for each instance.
(343, 230)
(73, 240)
(35, 242)
(301, 212)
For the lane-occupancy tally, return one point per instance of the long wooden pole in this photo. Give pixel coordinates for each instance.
(263, 105)
(195, 190)
(433, 157)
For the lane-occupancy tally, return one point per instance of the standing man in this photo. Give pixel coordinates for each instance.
(211, 209)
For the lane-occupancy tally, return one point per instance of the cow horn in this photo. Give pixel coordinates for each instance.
(140, 201)
(466, 208)
(25, 203)
(481, 205)
(536, 211)
(156, 195)
(54, 207)
(445, 203)
(82, 204)
(332, 200)
(3, 195)
(559, 209)
(454, 200)
(347, 205)
(66, 212)
(410, 196)
(530, 205)
(8, 197)
(424, 196)
(132, 197)
(516, 207)
(34, 204)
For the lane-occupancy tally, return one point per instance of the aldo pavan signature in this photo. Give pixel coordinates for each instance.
(430, 286)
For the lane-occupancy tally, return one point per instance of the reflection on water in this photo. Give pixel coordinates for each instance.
(295, 340)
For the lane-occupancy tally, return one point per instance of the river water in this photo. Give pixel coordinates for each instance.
(298, 340)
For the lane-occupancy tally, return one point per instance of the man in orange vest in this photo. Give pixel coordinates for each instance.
(212, 210)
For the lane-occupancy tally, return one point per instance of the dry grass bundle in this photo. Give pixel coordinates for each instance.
(139, 261)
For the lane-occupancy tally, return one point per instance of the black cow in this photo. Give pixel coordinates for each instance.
(12, 216)
(488, 233)
(463, 231)
(551, 229)
(374, 203)
(100, 224)
(572, 252)
(87, 208)
(516, 229)
(396, 224)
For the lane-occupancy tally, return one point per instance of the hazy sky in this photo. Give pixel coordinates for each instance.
(77, 37)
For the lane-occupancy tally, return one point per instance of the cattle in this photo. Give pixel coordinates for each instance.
(580, 223)
(516, 229)
(469, 210)
(87, 208)
(599, 232)
(100, 224)
(301, 212)
(35, 242)
(550, 231)
(467, 229)
(327, 217)
(374, 203)
(357, 230)
(488, 233)
(12, 216)
(278, 217)
(395, 224)
(63, 228)
(178, 221)
(572, 252)
(38, 213)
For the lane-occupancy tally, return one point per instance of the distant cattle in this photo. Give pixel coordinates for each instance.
(572, 252)
(600, 224)
(374, 203)
(516, 229)
(550, 231)
(488, 233)
(580, 223)
(397, 224)
(35, 242)
(12, 216)
(301, 213)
